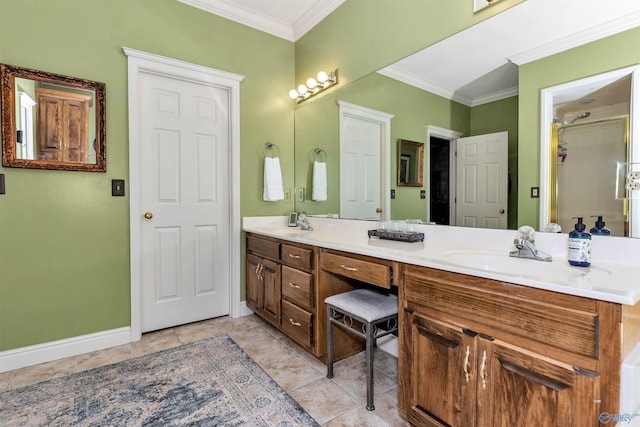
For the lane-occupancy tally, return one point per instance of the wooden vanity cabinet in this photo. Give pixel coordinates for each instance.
(478, 352)
(287, 284)
(263, 288)
(280, 286)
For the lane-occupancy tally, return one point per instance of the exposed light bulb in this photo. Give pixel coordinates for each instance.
(293, 94)
(311, 83)
(302, 89)
(322, 77)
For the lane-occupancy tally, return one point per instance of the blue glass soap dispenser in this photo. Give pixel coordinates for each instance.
(579, 245)
(599, 229)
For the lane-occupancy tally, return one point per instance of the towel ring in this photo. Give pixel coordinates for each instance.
(270, 146)
(318, 155)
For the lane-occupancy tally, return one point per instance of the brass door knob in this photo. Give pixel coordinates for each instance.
(378, 210)
(148, 215)
(501, 211)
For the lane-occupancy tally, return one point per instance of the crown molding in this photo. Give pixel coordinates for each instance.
(494, 96)
(268, 24)
(244, 16)
(577, 39)
(313, 17)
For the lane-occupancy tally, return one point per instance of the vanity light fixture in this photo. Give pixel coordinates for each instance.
(314, 86)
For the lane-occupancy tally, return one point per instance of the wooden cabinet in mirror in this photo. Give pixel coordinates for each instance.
(51, 121)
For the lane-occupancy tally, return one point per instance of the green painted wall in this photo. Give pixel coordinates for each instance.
(65, 270)
(64, 241)
(363, 36)
(608, 54)
(317, 125)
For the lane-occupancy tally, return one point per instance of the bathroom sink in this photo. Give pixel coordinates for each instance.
(502, 263)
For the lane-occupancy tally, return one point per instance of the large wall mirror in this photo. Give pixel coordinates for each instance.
(415, 109)
(50, 121)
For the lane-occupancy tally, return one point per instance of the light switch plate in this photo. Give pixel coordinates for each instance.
(535, 192)
(117, 187)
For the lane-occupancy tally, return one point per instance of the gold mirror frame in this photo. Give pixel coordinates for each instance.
(8, 75)
(410, 165)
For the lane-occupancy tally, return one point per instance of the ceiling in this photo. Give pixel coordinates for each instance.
(473, 67)
(480, 64)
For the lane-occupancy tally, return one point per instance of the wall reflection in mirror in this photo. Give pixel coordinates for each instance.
(52, 121)
(604, 111)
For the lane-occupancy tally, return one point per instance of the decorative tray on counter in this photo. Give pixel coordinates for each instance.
(401, 236)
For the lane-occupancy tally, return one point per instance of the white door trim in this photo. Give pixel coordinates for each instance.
(139, 62)
(384, 120)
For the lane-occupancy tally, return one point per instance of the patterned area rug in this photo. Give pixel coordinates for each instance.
(206, 383)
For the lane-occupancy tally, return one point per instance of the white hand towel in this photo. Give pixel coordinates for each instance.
(319, 182)
(272, 180)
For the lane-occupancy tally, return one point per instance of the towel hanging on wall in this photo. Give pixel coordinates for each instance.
(273, 190)
(319, 189)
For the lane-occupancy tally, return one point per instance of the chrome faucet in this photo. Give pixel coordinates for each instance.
(525, 245)
(303, 221)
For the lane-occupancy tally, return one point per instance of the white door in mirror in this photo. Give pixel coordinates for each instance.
(482, 181)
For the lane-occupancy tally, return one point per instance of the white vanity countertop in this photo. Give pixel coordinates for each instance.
(614, 274)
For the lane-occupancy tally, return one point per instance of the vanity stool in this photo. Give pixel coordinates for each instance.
(374, 310)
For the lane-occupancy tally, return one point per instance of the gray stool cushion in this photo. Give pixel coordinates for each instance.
(366, 304)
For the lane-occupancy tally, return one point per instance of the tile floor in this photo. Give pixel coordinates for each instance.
(336, 402)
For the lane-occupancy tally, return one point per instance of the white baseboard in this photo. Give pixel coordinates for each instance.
(244, 310)
(54, 350)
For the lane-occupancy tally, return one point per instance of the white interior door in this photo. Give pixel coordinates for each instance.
(482, 181)
(184, 201)
(364, 169)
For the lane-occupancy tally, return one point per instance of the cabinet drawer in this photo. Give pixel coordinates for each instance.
(296, 256)
(264, 247)
(297, 287)
(297, 324)
(498, 312)
(365, 271)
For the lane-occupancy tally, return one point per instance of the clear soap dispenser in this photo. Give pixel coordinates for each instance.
(579, 245)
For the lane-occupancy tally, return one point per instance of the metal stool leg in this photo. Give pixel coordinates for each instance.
(369, 358)
(329, 344)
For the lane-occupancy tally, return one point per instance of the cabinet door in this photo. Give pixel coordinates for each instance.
(254, 284)
(443, 376)
(75, 130)
(271, 291)
(519, 387)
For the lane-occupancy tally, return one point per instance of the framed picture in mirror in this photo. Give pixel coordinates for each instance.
(410, 163)
(51, 121)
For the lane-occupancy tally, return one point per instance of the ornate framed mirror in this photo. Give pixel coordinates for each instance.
(410, 163)
(50, 121)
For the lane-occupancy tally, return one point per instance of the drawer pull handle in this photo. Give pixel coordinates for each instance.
(294, 256)
(483, 370)
(348, 268)
(294, 323)
(293, 285)
(465, 366)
